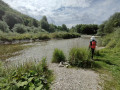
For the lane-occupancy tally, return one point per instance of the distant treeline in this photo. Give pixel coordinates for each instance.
(85, 28)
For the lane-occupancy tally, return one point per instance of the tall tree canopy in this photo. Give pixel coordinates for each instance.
(44, 23)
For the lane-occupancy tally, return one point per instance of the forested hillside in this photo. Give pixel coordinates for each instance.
(11, 19)
(14, 21)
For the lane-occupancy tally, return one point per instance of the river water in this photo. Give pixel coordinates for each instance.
(46, 48)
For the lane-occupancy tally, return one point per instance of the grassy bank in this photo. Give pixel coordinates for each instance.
(7, 51)
(30, 76)
(41, 36)
(110, 60)
(109, 66)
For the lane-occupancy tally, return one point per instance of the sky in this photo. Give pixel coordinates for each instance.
(69, 12)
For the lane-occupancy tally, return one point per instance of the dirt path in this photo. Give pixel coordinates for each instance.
(74, 79)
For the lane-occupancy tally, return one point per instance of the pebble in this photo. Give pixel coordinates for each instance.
(74, 79)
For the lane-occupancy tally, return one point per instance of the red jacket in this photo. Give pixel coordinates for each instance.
(92, 44)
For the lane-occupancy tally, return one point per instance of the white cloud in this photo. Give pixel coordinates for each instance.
(69, 12)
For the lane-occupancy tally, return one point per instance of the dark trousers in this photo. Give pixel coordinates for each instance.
(92, 52)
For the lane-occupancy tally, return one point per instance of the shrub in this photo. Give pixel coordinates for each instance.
(58, 56)
(79, 57)
(109, 25)
(65, 35)
(26, 77)
(11, 19)
(4, 27)
(43, 37)
(112, 40)
(19, 28)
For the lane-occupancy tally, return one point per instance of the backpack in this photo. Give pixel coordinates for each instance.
(93, 44)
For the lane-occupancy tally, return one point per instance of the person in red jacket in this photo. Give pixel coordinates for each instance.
(92, 45)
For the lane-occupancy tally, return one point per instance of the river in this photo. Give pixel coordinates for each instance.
(46, 48)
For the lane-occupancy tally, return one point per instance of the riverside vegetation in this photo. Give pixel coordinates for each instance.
(110, 56)
(58, 56)
(7, 51)
(78, 57)
(33, 36)
(110, 60)
(29, 76)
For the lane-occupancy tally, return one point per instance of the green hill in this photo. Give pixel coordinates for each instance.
(12, 17)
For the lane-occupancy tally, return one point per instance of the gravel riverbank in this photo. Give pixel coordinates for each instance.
(74, 79)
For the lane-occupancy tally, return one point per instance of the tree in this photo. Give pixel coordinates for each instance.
(64, 27)
(73, 29)
(85, 28)
(1, 14)
(59, 28)
(11, 19)
(52, 27)
(111, 23)
(4, 27)
(35, 23)
(78, 28)
(44, 23)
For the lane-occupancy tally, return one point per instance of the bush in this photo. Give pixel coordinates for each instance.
(109, 25)
(58, 56)
(11, 19)
(36, 29)
(65, 35)
(43, 37)
(111, 44)
(79, 57)
(19, 28)
(26, 77)
(4, 27)
(112, 40)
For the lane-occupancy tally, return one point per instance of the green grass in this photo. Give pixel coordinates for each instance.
(65, 35)
(30, 76)
(109, 63)
(58, 56)
(41, 36)
(109, 60)
(7, 51)
(80, 57)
